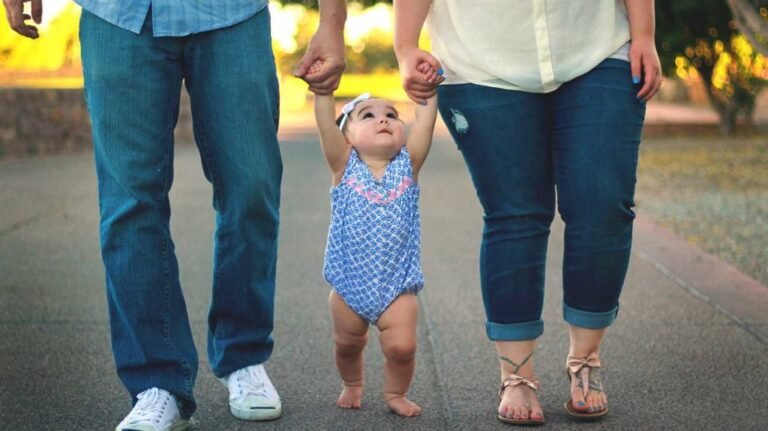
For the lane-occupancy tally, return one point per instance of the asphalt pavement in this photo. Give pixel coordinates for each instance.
(688, 351)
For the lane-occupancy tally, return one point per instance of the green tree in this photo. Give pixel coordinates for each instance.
(703, 35)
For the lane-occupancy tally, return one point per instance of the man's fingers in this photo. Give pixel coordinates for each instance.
(37, 11)
(328, 70)
(325, 86)
(303, 66)
(16, 17)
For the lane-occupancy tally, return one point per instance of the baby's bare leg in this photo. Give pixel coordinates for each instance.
(398, 341)
(350, 335)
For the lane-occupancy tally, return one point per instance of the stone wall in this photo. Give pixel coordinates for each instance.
(42, 121)
(36, 122)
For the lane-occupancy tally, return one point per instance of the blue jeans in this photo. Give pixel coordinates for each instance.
(132, 85)
(580, 143)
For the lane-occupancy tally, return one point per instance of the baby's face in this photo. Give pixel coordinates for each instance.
(374, 128)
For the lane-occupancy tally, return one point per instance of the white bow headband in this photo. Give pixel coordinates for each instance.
(350, 106)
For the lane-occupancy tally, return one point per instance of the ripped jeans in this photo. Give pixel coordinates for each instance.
(579, 143)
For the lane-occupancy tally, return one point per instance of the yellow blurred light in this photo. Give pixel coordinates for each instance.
(362, 22)
(285, 25)
(719, 46)
(58, 49)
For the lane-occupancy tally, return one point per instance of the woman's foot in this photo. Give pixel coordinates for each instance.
(519, 402)
(403, 406)
(588, 398)
(351, 397)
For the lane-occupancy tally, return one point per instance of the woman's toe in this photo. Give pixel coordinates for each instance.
(578, 401)
(593, 402)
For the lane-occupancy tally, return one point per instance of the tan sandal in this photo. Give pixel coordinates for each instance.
(589, 368)
(513, 380)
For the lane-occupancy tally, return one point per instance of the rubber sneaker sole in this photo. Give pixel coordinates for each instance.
(256, 413)
(178, 426)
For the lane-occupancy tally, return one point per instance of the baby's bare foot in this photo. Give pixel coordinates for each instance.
(404, 407)
(351, 397)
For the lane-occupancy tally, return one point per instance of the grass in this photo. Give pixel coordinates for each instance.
(713, 191)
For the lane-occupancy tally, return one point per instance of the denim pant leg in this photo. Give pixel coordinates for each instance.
(132, 85)
(596, 136)
(232, 81)
(503, 136)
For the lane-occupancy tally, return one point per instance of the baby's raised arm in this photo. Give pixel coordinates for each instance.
(420, 138)
(334, 144)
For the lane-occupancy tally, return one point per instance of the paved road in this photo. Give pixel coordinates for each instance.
(687, 352)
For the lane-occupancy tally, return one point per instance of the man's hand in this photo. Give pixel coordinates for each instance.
(326, 53)
(14, 13)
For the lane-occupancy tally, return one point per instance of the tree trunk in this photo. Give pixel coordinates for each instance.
(725, 110)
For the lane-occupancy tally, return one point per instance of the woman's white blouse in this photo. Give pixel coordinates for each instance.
(526, 45)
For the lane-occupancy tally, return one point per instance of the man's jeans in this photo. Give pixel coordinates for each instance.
(580, 141)
(132, 87)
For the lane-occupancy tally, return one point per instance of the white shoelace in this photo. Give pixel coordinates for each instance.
(249, 382)
(150, 407)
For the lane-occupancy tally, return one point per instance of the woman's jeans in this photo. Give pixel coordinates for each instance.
(579, 142)
(132, 85)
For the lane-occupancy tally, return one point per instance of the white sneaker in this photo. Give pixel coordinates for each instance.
(155, 410)
(251, 394)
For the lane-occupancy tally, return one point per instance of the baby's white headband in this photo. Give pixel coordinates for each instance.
(350, 106)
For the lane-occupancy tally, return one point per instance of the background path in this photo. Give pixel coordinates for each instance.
(687, 352)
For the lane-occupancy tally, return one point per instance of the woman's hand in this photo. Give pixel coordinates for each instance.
(646, 68)
(419, 82)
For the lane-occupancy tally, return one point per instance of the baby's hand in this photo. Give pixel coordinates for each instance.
(429, 73)
(315, 67)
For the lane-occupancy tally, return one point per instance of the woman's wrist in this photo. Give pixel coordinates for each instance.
(403, 50)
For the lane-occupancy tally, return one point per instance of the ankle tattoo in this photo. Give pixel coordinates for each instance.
(516, 367)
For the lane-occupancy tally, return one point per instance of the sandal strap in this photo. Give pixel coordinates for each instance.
(516, 379)
(575, 364)
(590, 380)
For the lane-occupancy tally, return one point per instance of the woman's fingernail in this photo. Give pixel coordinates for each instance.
(440, 71)
(635, 79)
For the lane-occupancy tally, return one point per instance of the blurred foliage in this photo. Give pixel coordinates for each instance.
(368, 36)
(699, 39)
(60, 50)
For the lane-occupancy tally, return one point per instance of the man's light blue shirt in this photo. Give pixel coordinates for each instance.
(174, 17)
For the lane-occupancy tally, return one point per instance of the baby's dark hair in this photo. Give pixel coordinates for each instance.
(341, 116)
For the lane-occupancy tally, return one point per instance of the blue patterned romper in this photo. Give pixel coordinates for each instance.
(374, 241)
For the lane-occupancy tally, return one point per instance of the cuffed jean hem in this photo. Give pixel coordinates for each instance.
(588, 319)
(514, 331)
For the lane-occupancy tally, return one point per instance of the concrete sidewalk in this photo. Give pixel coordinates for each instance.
(687, 352)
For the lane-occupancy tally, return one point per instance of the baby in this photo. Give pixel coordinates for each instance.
(372, 259)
